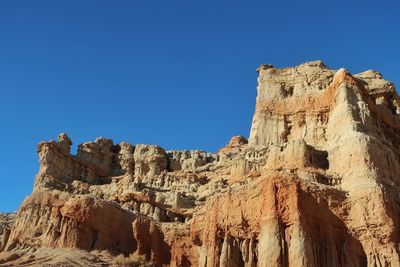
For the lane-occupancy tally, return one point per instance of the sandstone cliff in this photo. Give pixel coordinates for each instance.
(316, 184)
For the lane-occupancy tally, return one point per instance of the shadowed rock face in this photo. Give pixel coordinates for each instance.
(316, 184)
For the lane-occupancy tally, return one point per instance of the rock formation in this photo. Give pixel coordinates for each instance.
(6, 222)
(316, 184)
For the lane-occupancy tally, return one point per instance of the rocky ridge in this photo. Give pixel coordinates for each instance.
(316, 184)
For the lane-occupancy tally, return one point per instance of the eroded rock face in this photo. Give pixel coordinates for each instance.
(6, 223)
(316, 184)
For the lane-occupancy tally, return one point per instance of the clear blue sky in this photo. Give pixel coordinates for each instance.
(180, 74)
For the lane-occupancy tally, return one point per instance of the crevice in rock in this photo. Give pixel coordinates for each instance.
(287, 124)
(95, 237)
(284, 246)
(318, 158)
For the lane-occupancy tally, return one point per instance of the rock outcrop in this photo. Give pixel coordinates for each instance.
(6, 223)
(316, 184)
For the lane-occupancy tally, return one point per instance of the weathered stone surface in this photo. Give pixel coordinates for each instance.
(150, 160)
(6, 223)
(188, 160)
(59, 219)
(316, 184)
(234, 144)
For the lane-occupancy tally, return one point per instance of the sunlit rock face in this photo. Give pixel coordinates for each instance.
(316, 184)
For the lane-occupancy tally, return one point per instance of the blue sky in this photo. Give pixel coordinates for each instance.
(180, 74)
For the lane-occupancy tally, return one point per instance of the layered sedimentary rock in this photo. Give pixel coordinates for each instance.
(316, 184)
